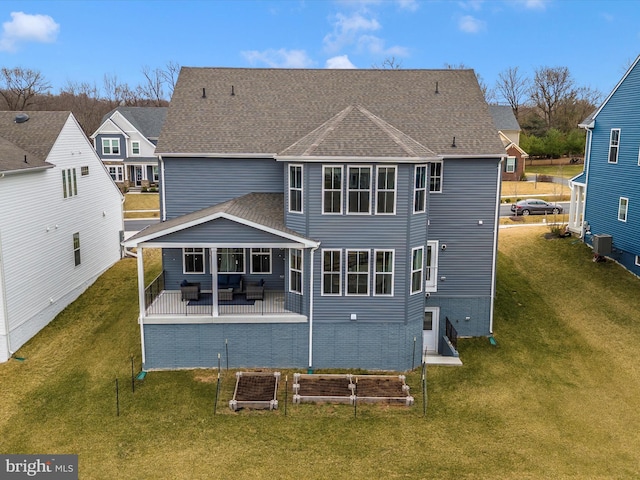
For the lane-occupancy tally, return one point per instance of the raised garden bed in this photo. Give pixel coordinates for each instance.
(257, 390)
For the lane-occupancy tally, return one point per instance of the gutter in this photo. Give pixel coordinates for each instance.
(163, 208)
(5, 312)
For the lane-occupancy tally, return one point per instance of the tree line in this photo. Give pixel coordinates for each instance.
(24, 89)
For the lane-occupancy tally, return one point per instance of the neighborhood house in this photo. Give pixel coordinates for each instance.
(321, 219)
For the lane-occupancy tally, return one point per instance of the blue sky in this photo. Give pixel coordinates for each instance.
(81, 41)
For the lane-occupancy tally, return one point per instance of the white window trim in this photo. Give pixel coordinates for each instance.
(301, 270)
(244, 261)
(77, 254)
(324, 190)
(638, 260)
(431, 285)
(109, 139)
(639, 157)
(441, 176)
(339, 273)
(392, 273)
(269, 253)
(346, 272)
(513, 165)
(370, 168)
(617, 146)
(133, 142)
(421, 270)
(193, 252)
(417, 189)
(119, 172)
(626, 209)
(290, 188)
(395, 188)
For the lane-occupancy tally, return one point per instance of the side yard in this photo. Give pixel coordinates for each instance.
(557, 398)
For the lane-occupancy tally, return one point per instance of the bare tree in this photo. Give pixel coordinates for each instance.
(513, 88)
(153, 87)
(170, 75)
(550, 86)
(83, 99)
(487, 93)
(389, 63)
(118, 94)
(20, 86)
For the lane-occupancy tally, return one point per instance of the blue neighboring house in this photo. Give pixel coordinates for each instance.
(605, 199)
(126, 142)
(322, 219)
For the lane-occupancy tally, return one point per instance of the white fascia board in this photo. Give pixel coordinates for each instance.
(498, 156)
(117, 127)
(129, 127)
(311, 159)
(25, 170)
(588, 125)
(215, 216)
(221, 245)
(216, 155)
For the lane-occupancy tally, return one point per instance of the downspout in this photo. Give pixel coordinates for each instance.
(163, 208)
(4, 303)
(496, 224)
(311, 309)
(141, 287)
(587, 165)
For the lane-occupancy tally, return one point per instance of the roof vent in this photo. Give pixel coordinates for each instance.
(453, 144)
(22, 117)
(437, 90)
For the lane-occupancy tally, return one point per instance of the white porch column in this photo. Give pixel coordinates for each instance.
(213, 267)
(143, 310)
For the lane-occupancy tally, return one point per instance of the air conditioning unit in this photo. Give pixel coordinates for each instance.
(602, 244)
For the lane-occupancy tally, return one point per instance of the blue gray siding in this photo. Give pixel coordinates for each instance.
(608, 182)
(123, 147)
(219, 180)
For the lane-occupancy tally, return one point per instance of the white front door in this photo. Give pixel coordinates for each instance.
(430, 329)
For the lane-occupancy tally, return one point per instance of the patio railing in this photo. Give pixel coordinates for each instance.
(154, 289)
(169, 302)
(451, 333)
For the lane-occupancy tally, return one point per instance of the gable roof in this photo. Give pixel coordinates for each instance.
(264, 211)
(147, 120)
(216, 111)
(589, 121)
(503, 117)
(33, 138)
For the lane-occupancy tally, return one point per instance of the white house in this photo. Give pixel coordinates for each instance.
(60, 221)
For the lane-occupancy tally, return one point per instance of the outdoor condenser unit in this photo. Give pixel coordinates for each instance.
(602, 244)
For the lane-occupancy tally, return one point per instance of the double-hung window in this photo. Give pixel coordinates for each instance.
(384, 272)
(193, 260)
(623, 207)
(435, 177)
(431, 270)
(116, 173)
(111, 146)
(614, 144)
(359, 190)
(386, 190)
(231, 260)
(135, 148)
(420, 189)
(417, 265)
(510, 166)
(331, 272)
(357, 272)
(295, 188)
(260, 260)
(295, 270)
(332, 190)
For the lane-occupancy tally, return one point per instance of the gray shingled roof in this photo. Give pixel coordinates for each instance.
(147, 120)
(33, 138)
(503, 117)
(266, 209)
(267, 111)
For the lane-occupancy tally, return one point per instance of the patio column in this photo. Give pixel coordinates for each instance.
(141, 285)
(213, 267)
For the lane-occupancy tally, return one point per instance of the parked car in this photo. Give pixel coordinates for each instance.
(534, 206)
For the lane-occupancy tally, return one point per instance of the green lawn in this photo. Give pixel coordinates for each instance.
(557, 398)
(566, 171)
(141, 205)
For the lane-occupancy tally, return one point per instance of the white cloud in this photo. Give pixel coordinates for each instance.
(410, 5)
(281, 58)
(533, 4)
(27, 28)
(469, 24)
(347, 29)
(341, 61)
(376, 46)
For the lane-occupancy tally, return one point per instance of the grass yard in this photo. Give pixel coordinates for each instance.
(566, 171)
(557, 398)
(138, 205)
(551, 192)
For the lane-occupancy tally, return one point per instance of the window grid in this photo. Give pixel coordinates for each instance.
(359, 190)
(383, 273)
(614, 144)
(431, 270)
(231, 260)
(116, 173)
(76, 248)
(135, 148)
(260, 260)
(417, 266)
(295, 188)
(332, 190)
(84, 171)
(420, 189)
(386, 190)
(331, 272)
(193, 260)
(435, 177)
(295, 270)
(110, 146)
(510, 165)
(357, 272)
(623, 208)
(69, 183)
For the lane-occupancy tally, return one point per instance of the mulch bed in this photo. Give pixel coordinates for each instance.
(256, 388)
